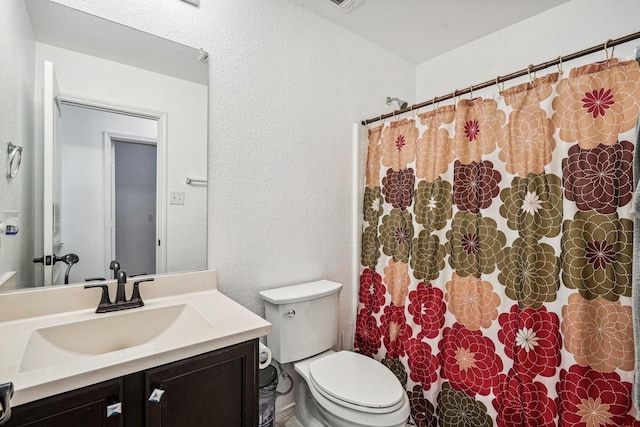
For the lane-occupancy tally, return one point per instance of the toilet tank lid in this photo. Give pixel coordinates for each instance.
(302, 292)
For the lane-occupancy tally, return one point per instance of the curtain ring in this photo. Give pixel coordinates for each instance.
(434, 104)
(471, 91)
(500, 89)
(455, 97)
(529, 67)
(414, 113)
(560, 69)
(606, 47)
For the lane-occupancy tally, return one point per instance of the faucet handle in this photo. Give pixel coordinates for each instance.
(135, 295)
(105, 301)
(138, 274)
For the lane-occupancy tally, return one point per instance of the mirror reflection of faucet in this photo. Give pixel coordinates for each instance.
(115, 266)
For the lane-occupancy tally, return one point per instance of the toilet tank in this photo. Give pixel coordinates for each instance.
(304, 319)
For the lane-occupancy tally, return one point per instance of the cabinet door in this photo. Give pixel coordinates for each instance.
(216, 389)
(86, 407)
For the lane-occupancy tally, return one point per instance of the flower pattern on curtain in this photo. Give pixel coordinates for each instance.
(497, 254)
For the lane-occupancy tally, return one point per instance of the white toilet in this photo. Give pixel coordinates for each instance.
(338, 389)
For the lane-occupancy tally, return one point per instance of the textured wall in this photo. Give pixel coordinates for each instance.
(565, 29)
(285, 88)
(16, 115)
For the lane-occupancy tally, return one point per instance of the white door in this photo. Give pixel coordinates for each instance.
(51, 176)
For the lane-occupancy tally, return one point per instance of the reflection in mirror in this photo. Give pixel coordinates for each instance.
(112, 122)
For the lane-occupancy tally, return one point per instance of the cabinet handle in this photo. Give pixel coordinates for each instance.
(6, 393)
(156, 395)
(114, 410)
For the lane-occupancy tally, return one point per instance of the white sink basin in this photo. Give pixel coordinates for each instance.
(111, 332)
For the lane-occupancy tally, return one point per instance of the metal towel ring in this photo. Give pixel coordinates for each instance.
(14, 158)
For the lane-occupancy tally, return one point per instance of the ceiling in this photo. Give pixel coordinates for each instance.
(419, 30)
(65, 27)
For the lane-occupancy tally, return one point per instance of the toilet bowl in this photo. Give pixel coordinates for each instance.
(349, 390)
(336, 389)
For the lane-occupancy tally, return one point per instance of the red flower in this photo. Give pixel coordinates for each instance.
(468, 360)
(428, 309)
(395, 330)
(597, 101)
(368, 337)
(522, 402)
(372, 291)
(590, 398)
(531, 338)
(475, 185)
(471, 129)
(629, 421)
(423, 365)
(400, 142)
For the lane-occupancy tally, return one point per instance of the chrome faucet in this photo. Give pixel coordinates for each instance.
(121, 303)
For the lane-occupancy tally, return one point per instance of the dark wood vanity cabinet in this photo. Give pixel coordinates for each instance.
(83, 407)
(216, 389)
(219, 388)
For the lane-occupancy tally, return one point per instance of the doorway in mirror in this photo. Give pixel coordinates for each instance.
(109, 190)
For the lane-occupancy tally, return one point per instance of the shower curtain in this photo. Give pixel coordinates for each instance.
(497, 254)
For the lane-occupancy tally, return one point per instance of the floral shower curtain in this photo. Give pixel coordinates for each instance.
(497, 254)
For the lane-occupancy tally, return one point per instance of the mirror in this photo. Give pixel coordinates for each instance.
(112, 123)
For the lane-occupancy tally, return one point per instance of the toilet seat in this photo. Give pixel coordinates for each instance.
(358, 382)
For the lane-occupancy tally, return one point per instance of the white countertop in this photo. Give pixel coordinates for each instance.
(221, 322)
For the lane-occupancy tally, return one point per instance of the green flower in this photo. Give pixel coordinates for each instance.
(396, 233)
(457, 409)
(372, 205)
(597, 255)
(530, 271)
(475, 244)
(427, 256)
(432, 205)
(397, 367)
(533, 205)
(370, 247)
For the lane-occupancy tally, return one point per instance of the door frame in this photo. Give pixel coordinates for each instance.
(51, 128)
(161, 171)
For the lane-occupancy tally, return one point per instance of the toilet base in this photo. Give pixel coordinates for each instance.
(293, 422)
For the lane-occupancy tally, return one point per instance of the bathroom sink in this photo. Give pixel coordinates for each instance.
(102, 334)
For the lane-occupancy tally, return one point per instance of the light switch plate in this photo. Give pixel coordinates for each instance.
(176, 198)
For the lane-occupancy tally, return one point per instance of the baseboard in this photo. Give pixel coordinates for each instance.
(285, 413)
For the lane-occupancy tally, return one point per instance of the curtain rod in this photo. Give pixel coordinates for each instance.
(501, 79)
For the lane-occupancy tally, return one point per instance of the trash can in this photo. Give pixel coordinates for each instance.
(268, 382)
